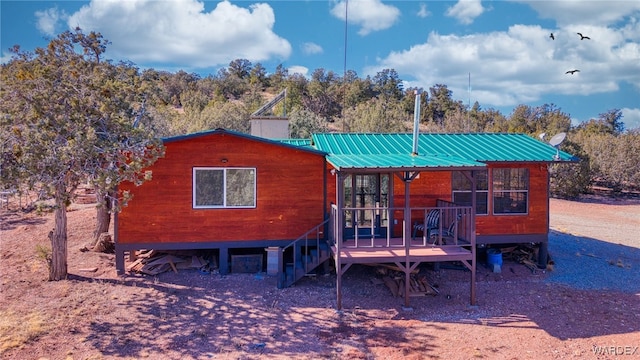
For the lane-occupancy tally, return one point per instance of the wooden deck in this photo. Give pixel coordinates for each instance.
(392, 255)
(407, 258)
(379, 251)
(406, 252)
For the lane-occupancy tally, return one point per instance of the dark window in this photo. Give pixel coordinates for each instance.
(510, 191)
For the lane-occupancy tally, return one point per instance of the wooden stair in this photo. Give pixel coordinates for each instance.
(303, 256)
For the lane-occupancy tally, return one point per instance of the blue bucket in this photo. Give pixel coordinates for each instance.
(494, 257)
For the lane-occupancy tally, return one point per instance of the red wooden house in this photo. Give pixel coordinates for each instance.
(358, 198)
(223, 190)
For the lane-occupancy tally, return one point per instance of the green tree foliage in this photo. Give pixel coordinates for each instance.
(376, 116)
(224, 115)
(240, 68)
(440, 103)
(277, 79)
(355, 90)
(408, 102)
(230, 86)
(489, 120)
(303, 123)
(184, 103)
(68, 116)
(614, 160)
(296, 85)
(322, 94)
(258, 77)
(568, 181)
(536, 120)
(387, 85)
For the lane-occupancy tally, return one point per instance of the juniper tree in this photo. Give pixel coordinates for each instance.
(67, 116)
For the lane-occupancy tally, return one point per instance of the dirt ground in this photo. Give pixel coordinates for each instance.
(520, 314)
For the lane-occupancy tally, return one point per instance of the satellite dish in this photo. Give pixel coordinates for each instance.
(555, 141)
(541, 136)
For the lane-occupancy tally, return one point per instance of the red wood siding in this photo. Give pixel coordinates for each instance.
(535, 222)
(289, 194)
(433, 185)
(425, 190)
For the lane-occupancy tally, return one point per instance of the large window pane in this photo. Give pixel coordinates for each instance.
(221, 187)
(510, 191)
(240, 187)
(209, 187)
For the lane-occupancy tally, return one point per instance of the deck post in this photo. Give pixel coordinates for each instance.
(120, 261)
(224, 260)
(339, 224)
(407, 239)
(543, 255)
(338, 283)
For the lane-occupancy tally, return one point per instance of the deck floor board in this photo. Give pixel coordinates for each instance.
(377, 251)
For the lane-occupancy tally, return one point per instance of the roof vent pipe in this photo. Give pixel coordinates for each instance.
(416, 122)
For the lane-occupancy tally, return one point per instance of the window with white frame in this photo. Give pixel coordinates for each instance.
(510, 190)
(462, 194)
(224, 187)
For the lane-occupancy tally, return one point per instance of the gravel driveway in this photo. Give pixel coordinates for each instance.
(608, 259)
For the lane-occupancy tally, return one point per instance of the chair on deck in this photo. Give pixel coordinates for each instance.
(446, 233)
(432, 222)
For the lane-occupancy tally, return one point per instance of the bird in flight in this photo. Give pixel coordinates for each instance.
(582, 37)
(552, 37)
(572, 71)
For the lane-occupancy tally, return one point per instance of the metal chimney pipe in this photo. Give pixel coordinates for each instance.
(416, 122)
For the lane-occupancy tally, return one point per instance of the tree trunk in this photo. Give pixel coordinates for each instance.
(58, 266)
(103, 215)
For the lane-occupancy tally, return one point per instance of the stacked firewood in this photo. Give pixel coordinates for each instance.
(395, 280)
(418, 286)
(527, 256)
(153, 262)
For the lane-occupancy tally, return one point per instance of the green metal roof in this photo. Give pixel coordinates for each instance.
(393, 151)
(296, 142)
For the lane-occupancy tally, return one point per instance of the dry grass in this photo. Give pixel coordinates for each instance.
(17, 329)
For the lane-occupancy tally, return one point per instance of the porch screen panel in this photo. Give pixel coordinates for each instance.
(510, 191)
(461, 189)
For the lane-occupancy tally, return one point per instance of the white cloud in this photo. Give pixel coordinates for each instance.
(5, 58)
(370, 15)
(631, 118)
(518, 66)
(48, 20)
(465, 11)
(423, 12)
(180, 31)
(310, 48)
(296, 69)
(596, 13)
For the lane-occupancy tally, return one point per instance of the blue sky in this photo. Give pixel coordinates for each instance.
(503, 45)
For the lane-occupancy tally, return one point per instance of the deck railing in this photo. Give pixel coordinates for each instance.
(456, 226)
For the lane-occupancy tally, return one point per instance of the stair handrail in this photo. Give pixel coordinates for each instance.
(318, 230)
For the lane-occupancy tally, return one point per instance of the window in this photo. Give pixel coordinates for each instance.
(461, 189)
(224, 188)
(510, 191)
